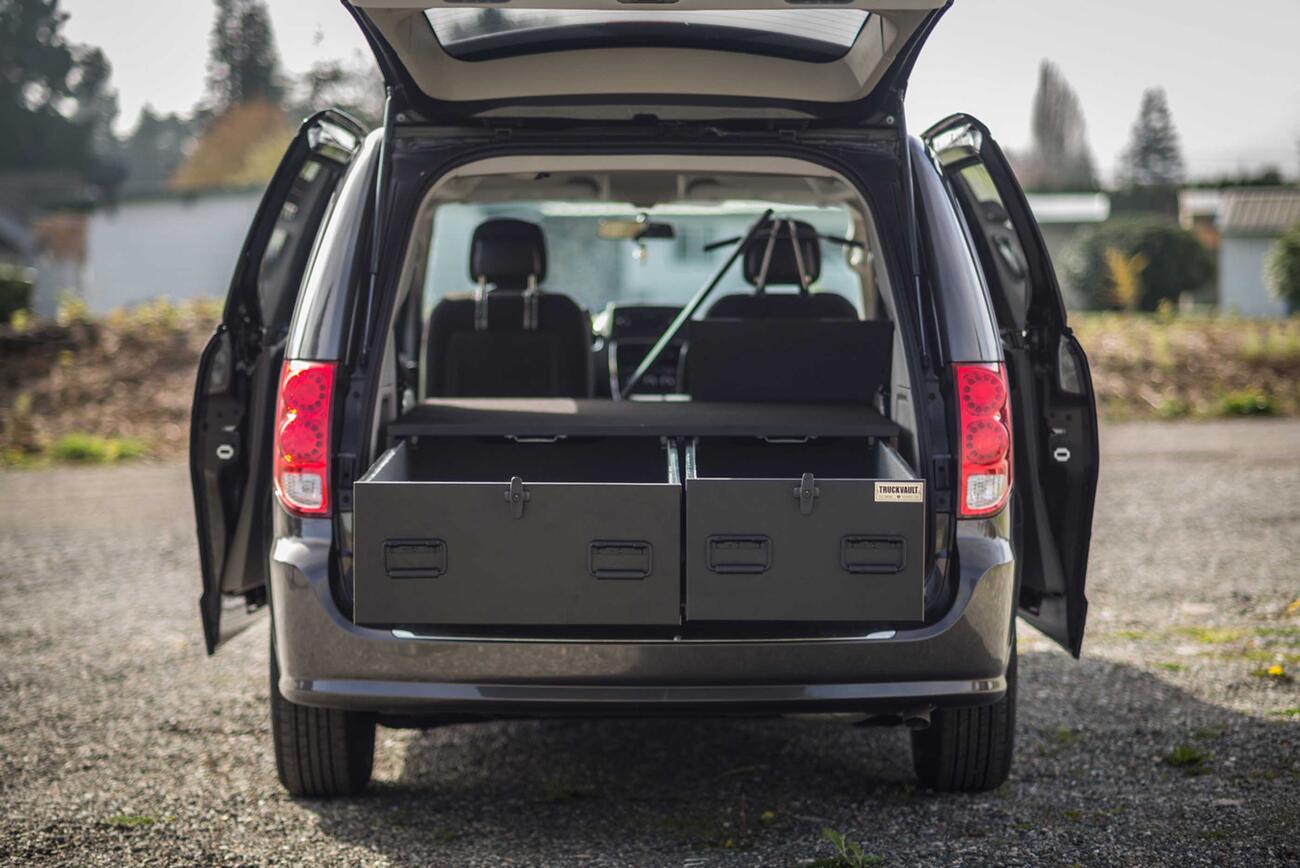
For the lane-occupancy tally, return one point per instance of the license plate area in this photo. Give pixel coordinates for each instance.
(797, 531)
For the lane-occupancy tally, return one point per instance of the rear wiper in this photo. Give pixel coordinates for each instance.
(833, 239)
(689, 311)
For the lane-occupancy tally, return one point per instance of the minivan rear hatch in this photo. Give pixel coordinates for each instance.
(621, 58)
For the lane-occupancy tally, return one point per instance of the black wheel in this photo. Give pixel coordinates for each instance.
(968, 750)
(319, 752)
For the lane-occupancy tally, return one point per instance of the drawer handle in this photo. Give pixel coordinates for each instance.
(415, 558)
(620, 559)
(873, 554)
(739, 554)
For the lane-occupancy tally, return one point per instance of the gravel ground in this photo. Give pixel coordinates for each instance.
(121, 742)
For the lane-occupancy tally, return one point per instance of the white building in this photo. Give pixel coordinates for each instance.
(174, 246)
(1250, 219)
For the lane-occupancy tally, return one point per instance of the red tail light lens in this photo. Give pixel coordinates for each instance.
(985, 420)
(302, 437)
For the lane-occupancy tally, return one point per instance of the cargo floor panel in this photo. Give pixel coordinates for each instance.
(470, 531)
(602, 417)
(824, 530)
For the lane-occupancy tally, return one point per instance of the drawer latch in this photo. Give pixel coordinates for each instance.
(807, 492)
(517, 495)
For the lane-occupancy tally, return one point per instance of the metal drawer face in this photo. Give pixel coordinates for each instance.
(551, 565)
(802, 549)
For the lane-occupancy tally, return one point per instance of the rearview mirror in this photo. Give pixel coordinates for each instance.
(635, 230)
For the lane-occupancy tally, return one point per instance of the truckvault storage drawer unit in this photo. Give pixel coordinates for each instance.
(468, 531)
(825, 530)
(501, 512)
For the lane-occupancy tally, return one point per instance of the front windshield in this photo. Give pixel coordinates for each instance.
(597, 272)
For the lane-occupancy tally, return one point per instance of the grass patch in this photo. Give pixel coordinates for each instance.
(1211, 835)
(1277, 672)
(847, 853)
(1245, 402)
(1207, 733)
(1289, 712)
(1189, 759)
(1130, 635)
(131, 821)
(560, 792)
(1211, 635)
(1171, 667)
(90, 449)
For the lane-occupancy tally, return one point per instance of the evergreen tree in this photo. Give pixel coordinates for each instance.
(243, 62)
(1153, 157)
(55, 101)
(154, 150)
(1060, 159)
(356, 87)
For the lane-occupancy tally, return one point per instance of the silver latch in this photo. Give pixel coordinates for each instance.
(517, 496)
(807, 492)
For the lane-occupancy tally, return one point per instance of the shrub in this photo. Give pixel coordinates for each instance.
(15, 291)
(1246, 402)
(1283, 266)
(1162, 257)
(89, 449)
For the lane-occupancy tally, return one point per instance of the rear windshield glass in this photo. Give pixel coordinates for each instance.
(798, 34)
(597, 271)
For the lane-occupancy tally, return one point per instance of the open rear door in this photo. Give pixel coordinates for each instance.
(1054, 411)
(616, 59)
(234, 399)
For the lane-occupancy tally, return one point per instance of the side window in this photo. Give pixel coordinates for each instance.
(292, 240)
(956, 278)
(983, 203)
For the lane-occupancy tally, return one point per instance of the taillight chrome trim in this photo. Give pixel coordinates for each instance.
(302, 481)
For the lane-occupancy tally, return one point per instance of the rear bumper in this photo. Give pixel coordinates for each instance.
(325, 660)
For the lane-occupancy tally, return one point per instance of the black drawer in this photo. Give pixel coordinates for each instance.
(511, 551)
(776, 544)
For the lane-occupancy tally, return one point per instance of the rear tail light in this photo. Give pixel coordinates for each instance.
(302, 437)
(985, 420)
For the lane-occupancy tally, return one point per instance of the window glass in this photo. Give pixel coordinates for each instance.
(797, 34)
(596, 271)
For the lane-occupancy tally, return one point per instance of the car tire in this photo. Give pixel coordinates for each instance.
(968, 750)
(319, 752)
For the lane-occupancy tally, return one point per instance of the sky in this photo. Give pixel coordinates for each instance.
(1231, 71)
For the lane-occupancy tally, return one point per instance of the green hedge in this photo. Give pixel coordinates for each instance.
(15, 291)
(1172, 261)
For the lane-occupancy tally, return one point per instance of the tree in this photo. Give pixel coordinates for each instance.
(243, 62)
(354, 86)
(1060, 157)
(1153, 157)
(154, 150)
(1135, 263)
(55, 100)
(241, 148)
(1283, 266)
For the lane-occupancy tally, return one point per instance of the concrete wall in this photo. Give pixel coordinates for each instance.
(174, 248)
(1241, 278)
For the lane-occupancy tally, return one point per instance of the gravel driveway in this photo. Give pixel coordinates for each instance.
(1168, 744)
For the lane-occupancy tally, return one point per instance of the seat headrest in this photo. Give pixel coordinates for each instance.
(783, 270)
(506, 252)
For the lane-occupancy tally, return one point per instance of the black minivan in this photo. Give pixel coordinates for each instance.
(643, 363)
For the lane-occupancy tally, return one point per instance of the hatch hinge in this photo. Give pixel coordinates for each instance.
(943, 483)
(346, 464)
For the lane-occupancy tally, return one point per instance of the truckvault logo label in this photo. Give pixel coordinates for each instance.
(903, 492)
